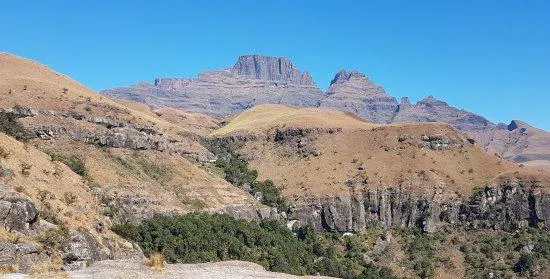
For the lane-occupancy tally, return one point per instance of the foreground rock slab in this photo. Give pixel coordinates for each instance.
(137, 269)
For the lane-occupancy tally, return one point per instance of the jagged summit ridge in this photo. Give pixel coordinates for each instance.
(271, 68)
(253, 80)
(354, 92)
(353, 82)
(343, 76)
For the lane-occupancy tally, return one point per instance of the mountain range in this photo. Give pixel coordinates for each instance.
(345, 182)
(257, 79)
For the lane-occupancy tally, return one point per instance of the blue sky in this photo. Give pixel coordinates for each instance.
(489, 57)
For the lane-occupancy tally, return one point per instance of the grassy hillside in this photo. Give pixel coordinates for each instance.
(322, 152)
(87, 161)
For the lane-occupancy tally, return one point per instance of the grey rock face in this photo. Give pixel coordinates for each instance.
(17, 212)
(517, 141)
(110, 133)
(81, 250)
(508, 207)
(439, 142)
(433, 110)
(271, 68)
(21, 256)
(354, 92)
(137, 269)
(254, 80)
(170, 83)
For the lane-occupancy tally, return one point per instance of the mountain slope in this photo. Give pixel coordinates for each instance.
(354, 92)
(253, 80)
(257, 79)
(341, 173)
(131, 163)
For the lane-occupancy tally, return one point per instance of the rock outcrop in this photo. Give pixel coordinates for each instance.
(509, 206)
(517, 141)
(107, 132)
(431, 109)
(271, 68)
(17, 212)
(20, 217)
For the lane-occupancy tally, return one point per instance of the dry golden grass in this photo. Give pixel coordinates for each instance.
(386, 162)
(28, 84)
(166, 179)
(264, 117)
(45, 176)
(6, 236)
(50, 265)
(195, 123)
(6, 269)
(156, 262)
(538, 165)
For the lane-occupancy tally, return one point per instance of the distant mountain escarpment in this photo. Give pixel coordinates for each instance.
(257, 79)
(254, 80)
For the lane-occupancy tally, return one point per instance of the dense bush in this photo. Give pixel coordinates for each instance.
(11, 127)
(507, 255)
(199, 237)
(421, 251)
(237, 173)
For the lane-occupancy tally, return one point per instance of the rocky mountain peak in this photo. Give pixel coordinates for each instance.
(271, 68)
(354, 92)
(344, 76)
(432, 101)
(522, 126)
(354, 82)
(514, 124)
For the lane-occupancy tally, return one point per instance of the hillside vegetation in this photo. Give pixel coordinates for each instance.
(85, 162)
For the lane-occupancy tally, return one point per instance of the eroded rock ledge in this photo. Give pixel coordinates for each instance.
(508, 206)
(103, 132)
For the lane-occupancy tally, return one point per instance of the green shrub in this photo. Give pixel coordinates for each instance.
(500, 253)
(237, 172)
(74, 163)
(155, 171)
(11, 127)
(525, 265)
(199, 237)
(421, 251)
(271, 195)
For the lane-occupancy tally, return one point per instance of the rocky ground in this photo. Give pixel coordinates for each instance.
(137, 269)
